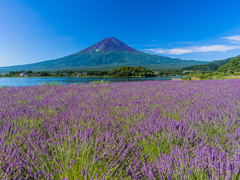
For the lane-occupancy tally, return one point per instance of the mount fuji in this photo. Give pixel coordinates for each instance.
(105, 55)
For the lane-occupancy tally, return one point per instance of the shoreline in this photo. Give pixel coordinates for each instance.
(96, 77)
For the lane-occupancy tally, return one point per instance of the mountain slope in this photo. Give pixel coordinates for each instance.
(105, 55)
(210, 67)
(108, 45)
(233, 65)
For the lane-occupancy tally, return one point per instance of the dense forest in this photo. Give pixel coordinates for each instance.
(231, 66)
(97, 73)
(129, 71)
(208, 68)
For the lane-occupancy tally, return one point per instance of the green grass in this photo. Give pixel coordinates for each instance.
(3, 87)
(53, 83)
(99, 82)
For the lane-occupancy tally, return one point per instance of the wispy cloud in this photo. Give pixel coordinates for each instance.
(194, 49)
(235, 38)
(186, 42)
(150, 45)
(131, 45)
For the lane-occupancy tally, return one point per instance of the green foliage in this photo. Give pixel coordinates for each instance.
(129, 71)
(14, 73)
(53, 83)
(208, 76)
(230, 72)
(44, 73)
(197, 76)
(4, 87)
(210, 67)
(231, 67)
(97, 73)
(100, 82)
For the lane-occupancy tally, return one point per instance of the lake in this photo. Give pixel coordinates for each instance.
(31, 81)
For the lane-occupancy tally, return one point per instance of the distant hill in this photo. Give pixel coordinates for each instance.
(107, 54)
(210, 67)
(233, 65)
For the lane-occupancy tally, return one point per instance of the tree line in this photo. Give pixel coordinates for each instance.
(128, 71)
(124, 71)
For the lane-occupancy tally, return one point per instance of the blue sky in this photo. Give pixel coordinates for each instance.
(33, 31)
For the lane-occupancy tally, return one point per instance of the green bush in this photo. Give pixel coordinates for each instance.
(128, 71)
(196, 75)
(4, 87)
(230, 72)
(53, 83)
(98, 82)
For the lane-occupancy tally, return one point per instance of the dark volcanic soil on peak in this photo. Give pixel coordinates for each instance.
(107, 45)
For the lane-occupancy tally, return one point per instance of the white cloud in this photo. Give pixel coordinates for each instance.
(194, 49)
(149, 45)
(131, 45)
(186, 42)
(233, 38)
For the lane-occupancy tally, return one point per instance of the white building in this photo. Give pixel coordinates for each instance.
(23, 74)
(2, 74)
(79, 74)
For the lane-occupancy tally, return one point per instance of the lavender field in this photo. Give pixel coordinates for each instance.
(136, 130)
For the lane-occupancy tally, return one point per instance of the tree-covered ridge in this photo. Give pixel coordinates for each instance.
(128, 71)
(233, 65)
(210, 67)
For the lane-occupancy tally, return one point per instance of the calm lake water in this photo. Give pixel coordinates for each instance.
(68, 80)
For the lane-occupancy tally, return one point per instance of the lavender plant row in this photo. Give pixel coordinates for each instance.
(136, 130)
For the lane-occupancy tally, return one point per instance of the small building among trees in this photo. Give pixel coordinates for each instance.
(23, 74)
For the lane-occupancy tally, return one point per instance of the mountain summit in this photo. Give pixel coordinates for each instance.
(108, 45)
(105, 55)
